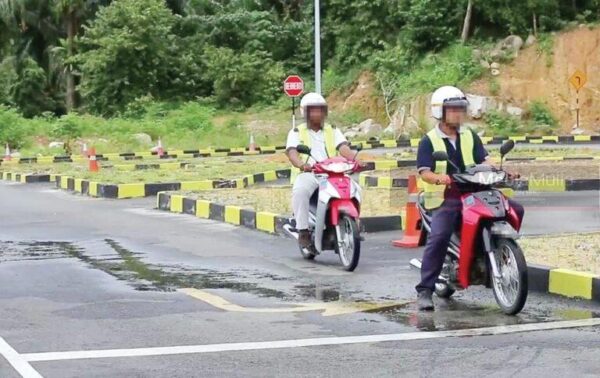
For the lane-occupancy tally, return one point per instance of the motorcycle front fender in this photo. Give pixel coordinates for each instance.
(342, 206)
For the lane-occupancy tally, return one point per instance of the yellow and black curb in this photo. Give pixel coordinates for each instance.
(549, 139)
(568, 283)
(172, 154)
(533, 185)
(138, 190)
(262, 221)
(143, 167)
(25, 178)
(241, 151)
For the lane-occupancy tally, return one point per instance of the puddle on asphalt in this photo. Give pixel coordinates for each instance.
(456, 314)
(128, 266)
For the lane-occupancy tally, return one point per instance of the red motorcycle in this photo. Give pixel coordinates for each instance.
(484, 250)
(334, 211)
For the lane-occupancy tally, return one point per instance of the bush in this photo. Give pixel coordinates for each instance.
(540, 115)
(191, 116)
(126, 53)
(243, 79)
(67, 129)
(11, 127)
(453, 66)
(502, 124)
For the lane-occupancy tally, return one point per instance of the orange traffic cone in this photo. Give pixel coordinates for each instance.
(412, 232)
(7, 156)
(94, 167)
(252, 145)
(159, 149)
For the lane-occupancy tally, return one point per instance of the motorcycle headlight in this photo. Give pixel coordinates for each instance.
(486, 178)
(338, 167)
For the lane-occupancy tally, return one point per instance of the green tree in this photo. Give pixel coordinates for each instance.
(433, 24)
(125, 54)
(243, 79)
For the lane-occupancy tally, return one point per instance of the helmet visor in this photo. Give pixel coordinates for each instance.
(456, 103)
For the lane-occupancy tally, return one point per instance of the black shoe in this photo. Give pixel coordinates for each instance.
(304, 239)
(425, 300)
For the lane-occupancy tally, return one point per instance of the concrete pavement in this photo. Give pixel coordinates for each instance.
(81, 274)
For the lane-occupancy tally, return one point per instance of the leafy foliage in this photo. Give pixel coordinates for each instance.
(113, 53)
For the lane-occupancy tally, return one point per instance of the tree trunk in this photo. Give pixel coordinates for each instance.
(467, 24)
(534, 25)
(70, 80)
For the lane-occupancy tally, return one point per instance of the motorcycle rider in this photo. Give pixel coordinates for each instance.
(325, 141)
(464, 148)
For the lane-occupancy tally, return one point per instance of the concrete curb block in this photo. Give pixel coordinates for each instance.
(564, 282)
(138, 190)
(25, 178)
(263, 221)
(172, 154)
(541, 185)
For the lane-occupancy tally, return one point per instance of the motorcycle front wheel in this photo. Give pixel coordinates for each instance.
(511, 288)
(348, 248)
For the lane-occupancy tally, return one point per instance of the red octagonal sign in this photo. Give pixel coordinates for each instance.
(293, 86)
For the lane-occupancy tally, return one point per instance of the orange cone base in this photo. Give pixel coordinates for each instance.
(408, 242)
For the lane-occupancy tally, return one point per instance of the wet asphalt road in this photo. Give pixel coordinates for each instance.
(82, 274)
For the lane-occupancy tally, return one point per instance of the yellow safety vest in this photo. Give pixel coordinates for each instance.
(434, 194)
(330, 147)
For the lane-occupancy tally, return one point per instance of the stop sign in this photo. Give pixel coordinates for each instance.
(293, 86)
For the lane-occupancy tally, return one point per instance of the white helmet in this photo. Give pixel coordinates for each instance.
(447, 97)
(311, 99)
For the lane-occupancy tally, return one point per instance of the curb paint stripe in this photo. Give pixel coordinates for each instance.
(571, 284)
(547, 185)
(265, 221)
(232, 215)
(131, 190)
(176, 203)
(203, 209)
(197, 185)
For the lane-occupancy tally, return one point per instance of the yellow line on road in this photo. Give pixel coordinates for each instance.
(327, 308)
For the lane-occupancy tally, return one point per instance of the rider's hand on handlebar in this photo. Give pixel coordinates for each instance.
(513, 175)
(306, 168)
(444, 180)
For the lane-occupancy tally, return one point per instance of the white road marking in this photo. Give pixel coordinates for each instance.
(299, 343)
(20, 364)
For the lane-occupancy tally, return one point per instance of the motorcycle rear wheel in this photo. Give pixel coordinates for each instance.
(511, 289)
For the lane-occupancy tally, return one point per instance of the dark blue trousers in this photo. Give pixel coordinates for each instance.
(443, 223)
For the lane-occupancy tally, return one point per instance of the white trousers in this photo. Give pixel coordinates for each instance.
(304, 187)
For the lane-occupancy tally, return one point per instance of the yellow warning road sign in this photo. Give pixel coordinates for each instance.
(578, 79)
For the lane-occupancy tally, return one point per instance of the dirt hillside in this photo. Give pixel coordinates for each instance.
(533, 76)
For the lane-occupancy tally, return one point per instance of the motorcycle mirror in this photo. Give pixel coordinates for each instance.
(440, 156)
(358, 147)
(303, 149)
(507, 147)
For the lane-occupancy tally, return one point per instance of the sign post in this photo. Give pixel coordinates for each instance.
(578, 80)
(293, 86)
